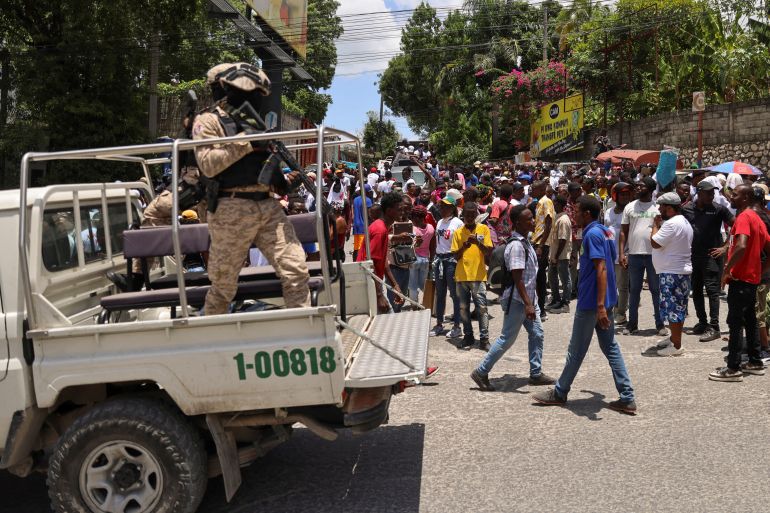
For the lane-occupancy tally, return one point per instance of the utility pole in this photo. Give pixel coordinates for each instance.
(379, 125)
(152, 125)
(545, 32)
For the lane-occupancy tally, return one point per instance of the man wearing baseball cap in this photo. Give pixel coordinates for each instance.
(707, 219)
(671, 239)
(372, 178)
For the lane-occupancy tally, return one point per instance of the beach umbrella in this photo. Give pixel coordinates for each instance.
(740, 168)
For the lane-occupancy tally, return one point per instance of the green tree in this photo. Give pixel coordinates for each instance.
(408, 84)
(324, 27)
(379, 137)
(80, 72)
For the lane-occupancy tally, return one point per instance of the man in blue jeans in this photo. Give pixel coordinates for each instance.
(636, 226)
(519, 303)
(597, 296)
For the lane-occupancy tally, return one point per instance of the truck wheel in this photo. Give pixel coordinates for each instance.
(129, 455)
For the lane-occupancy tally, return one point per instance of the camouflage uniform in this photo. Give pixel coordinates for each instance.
(237, 223)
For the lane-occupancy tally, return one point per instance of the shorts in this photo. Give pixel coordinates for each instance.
(358, 242)
(674, 295)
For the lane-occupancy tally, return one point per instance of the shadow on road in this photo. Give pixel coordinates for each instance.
(510, 383)
(378, 471)
(588, 407)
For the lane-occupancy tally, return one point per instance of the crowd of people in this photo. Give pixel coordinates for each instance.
(589, 234)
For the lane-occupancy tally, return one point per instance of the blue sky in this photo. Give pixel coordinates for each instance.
(363, 52)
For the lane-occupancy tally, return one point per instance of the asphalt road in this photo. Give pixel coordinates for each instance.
(695, 445)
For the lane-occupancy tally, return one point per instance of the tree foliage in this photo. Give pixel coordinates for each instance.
(434, 82)
(80, 71)
(631, 58)
(324, 27)
(379, 138)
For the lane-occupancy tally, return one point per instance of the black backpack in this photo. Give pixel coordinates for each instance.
(499, 276)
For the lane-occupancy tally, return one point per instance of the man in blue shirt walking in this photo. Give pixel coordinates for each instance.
(597, 296)
(359, 229)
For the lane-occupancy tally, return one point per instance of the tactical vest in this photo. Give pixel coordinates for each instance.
(246, 170)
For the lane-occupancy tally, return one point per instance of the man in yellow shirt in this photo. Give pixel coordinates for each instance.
(544, 216)
(470, 244)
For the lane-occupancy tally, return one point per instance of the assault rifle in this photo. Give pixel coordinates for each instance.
(271, 174)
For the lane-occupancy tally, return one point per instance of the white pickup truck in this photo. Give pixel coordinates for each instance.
(131, 401)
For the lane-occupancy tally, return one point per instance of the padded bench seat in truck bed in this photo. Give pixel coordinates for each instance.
(196, 296)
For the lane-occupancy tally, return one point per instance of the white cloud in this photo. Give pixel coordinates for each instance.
(411, 4)
(360, 49)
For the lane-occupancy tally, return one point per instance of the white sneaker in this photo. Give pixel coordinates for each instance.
(671, 351)
(664, 343)
(663, 332)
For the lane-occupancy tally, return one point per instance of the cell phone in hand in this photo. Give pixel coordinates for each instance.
(402, 227)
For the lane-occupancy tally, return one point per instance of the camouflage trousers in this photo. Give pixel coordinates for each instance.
(237, 224)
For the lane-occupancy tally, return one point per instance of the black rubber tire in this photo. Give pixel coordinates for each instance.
(153, 424)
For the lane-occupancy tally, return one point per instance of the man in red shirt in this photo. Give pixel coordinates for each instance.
(391, 204)
(743, 270)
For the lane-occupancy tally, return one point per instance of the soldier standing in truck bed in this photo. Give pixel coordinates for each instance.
(246, 211)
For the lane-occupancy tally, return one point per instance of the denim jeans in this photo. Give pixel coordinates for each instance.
(444, 276)
(583, 328)
(542, 277)
(706, 273)
(513, 320)
(741, 300)
(475, 291)
(637, 264)
(621, 280)
(556, 273)
(417, 275)
(402, 278)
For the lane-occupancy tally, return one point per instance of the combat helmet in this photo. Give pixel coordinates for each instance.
(246, 77)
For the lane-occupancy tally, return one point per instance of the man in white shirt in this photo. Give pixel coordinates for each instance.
(621, 195)
(372, 178)
(671, 240)
(635, 232)
(386, 185)
(555, 175)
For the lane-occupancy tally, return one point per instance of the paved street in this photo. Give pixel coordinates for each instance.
(696, 445)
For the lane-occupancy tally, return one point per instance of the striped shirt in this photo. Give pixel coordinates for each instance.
(521, 255)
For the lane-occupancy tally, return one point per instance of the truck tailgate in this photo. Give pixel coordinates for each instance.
(404, 335)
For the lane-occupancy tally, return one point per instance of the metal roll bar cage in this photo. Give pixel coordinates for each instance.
(134, 154)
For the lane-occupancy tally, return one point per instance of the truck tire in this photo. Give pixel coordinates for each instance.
(131, 455)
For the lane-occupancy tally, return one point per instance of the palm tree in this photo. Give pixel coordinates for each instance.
(571, 18)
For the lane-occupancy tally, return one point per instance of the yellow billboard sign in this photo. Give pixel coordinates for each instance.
(288, 18)
(558, 127)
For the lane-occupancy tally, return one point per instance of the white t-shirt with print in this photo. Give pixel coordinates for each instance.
(639, 216)
(445, 229)
(613, 221)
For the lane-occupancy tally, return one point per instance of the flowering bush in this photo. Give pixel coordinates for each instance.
(541, 85)
(519, 94)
